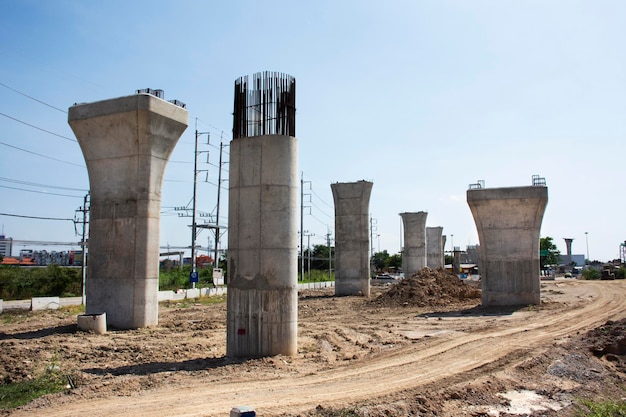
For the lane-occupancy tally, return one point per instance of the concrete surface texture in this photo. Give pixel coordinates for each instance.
(434, 247)
(508, 221)
(126, 143)
(352, 237)
(262, 305)
(414, 254)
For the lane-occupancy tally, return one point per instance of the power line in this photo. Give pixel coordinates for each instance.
(41, 192)
(35, 217)
(321, 211)
(38, 128)
(33, 98)
(43, 156)
(221, 131)
(34, 184)
(320, 198)
(43, 243)
(320, 221)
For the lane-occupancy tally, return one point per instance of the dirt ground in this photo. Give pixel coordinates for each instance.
(421, 347)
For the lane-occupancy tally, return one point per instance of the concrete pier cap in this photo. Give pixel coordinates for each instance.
(126, 143)
(352, 237)
(508, 221)
(262, 297)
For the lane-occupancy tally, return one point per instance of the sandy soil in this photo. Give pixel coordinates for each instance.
(403, 352)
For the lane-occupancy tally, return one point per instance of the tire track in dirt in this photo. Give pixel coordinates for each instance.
(409, 366)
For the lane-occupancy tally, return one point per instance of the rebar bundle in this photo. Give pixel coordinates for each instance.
(265, 107)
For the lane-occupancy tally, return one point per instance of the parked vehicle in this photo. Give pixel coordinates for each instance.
(383, 278)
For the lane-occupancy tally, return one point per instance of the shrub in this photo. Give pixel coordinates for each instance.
(610, 408)
(591, 273)
(19, 283)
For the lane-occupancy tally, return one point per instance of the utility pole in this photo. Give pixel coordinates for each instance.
(83, 244)
(193, 208)
(373, 228)
(194, 274)
(217, 215)
(330, 257)
(302, 206)
(214, 222)
(308, 245)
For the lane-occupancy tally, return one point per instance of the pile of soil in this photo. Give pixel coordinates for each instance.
(430, 287)
(608, 342)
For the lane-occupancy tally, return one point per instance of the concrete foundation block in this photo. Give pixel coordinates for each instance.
(193, 293)
(45, 303)
(165, 295)
(242, 412)
(216, 291)
(96, 323)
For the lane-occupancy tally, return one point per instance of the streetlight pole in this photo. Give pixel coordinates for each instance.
(587, 244)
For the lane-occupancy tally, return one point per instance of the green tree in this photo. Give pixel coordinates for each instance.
(379, 259)
(394, 261)
(319, 257)
(548, 253)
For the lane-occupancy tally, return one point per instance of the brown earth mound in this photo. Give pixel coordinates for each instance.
(430, 287)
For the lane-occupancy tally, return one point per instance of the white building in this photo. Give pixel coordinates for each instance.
(6, 245)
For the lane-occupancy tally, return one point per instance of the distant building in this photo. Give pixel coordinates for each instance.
(471, 253)
(577, 260)
(6, 245)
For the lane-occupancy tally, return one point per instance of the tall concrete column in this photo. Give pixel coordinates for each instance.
(444, 238)
(508, 221)
(262, 304)
(568, 248)
(414, 255)
(352, 237)
(434, 247)
(126, 143)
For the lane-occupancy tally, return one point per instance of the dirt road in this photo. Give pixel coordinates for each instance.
(351, 351)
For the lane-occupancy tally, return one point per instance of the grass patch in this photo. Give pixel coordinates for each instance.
(190, 302)
(71, 310)
(13, 316)
(608, 408)
(19, 393)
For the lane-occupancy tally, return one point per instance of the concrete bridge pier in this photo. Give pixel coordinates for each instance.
(262, 303)
(568, 251)
(434, 247)
(352, 237)
(414, 255)
(126, 143)
(508, 221)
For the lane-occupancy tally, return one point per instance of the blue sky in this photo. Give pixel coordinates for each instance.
(420, 97)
